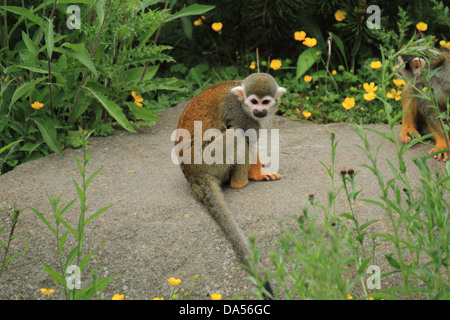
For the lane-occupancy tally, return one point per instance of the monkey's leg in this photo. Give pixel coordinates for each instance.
(409, 119)
(440, 138)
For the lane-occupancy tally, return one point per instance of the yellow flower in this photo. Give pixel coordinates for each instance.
(137, 98)
(216, 296)
(252, 65)
(306, 114)
(340, 15)
(275, 64)
(371, 298)
(198, 22)
(445, 44)
(174, 281)
(348, 103)
(299, 35)
(118, 297)
(370, 87)
(334, 72)
(37, 105)
(156, 298)
(47, 292)
(394, 94)
(307, 78)
(349, 297)
(399, 82)
(310, 42)
(375, 64)
(217, 26)
(422, 26)
(369, 96)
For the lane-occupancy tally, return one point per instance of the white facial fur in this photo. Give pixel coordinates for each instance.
(414, 67)
(257, 107)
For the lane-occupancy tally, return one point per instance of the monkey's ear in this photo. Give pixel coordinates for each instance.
(280, 92)
(239, 92)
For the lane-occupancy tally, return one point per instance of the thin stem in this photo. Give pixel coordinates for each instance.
(93, 50)
(156, 39)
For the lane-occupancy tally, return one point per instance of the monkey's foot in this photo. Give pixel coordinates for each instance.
(265, 175)
(407, 134)
(442, 155)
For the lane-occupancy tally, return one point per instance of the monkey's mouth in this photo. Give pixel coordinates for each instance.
(260, 113)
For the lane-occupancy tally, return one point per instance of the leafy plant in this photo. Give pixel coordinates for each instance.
(57, 79)
(68, 283)
(6, 246)
(328, 253)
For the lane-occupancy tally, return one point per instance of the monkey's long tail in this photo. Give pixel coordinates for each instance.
(211, 195)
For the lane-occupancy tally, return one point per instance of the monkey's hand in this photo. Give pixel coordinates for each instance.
(407, 134)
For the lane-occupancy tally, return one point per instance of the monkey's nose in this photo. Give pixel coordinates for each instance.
(259, 113)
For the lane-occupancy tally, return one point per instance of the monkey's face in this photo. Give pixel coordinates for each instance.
(258, 107)
(410, 67)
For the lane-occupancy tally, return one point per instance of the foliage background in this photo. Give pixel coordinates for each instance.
(85, 78)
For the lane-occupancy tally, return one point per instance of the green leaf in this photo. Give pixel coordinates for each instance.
(142, 113)
(360, 238)
(306, 60)
(9, 146)
(72, 231)
(113, 109)
(56, 276)
(135, 74)
(32, 68)
(17, 254)
(24, 88)
(49, 40)
(88, 181)
(25, 13)
(392, 261)
(31, 46)
(92, 217)
(348, 216)
(62, 241)
(66, 207)
(382, 134)
(365, 225)
(97, 287)
(195, 9)
(86, 259)
(48, 132)
(81, 57)
(374, 202)
(71, 257)
(340, 44)
(40, 215)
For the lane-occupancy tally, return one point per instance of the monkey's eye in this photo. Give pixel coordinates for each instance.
(254, 101)
(265, 102)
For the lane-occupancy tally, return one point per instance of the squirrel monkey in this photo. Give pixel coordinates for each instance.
(419, 111)
(247, 104)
